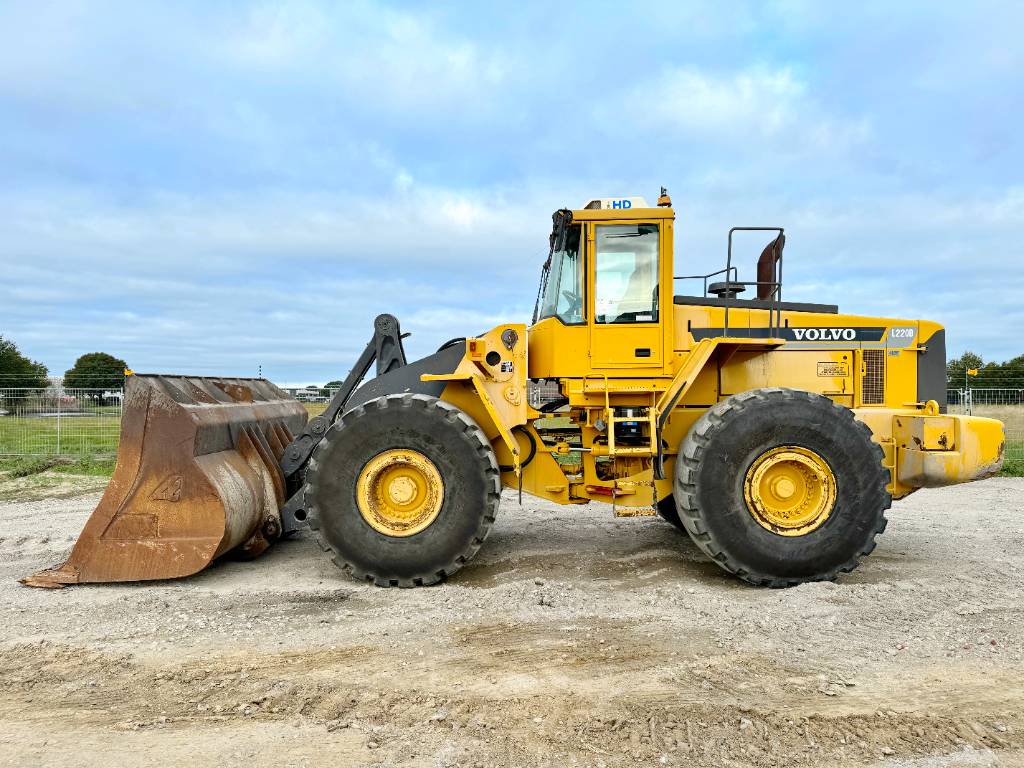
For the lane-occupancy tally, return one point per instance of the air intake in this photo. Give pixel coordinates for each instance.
(873, 383)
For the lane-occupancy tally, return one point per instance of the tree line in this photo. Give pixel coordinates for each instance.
(1007, 375)
(94, 370)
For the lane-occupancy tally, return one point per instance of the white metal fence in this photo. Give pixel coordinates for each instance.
(57, 421)
(965, 399)
(1004, 404)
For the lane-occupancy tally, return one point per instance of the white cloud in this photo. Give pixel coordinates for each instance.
(752, 109)
(419, 224)
(291, 282)
(222, 69)
(213, 185)
(276, 35)
(398, 59)
(755, 100)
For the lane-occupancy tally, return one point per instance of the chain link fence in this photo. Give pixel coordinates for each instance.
(57, 421)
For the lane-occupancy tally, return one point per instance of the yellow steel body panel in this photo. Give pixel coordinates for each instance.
(490, 383)
(928, 450)
(868, 364)
(558, 350)
(976, 451)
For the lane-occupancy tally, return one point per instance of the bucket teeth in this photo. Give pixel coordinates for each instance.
(198, 475)
(274, 441)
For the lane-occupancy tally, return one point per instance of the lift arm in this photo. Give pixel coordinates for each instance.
(386, 348)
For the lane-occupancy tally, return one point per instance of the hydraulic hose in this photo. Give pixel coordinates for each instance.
(529, 458)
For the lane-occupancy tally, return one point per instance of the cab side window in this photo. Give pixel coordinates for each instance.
(626, 273)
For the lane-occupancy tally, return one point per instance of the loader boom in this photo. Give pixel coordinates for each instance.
(384, 348)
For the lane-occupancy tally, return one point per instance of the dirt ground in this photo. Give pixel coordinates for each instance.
(572, 639)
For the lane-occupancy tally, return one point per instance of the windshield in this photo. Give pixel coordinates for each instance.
(562, 282)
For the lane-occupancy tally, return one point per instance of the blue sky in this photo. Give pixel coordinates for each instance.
(207, 188)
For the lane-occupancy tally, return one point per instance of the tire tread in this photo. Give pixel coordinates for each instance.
(714, 420)
(469, 431)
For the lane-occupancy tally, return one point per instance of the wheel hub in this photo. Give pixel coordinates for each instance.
(790, 490)
(399, 492)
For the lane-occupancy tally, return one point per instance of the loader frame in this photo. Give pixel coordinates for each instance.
(707, 349)
(612, 394)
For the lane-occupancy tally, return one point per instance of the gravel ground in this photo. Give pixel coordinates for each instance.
(572, 639)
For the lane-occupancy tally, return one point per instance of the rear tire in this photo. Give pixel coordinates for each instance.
(452, 444)
(720, 456)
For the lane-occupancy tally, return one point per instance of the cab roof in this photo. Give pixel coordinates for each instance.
(619, 214)
(603, 208)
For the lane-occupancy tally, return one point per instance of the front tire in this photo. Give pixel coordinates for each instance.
(403, 490)
(781, 486)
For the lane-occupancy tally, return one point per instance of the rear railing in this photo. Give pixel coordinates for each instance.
(773, 300)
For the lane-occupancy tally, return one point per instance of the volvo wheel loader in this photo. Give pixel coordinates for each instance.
(775, 433)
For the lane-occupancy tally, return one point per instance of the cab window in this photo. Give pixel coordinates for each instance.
(563, 284)
(626, 273)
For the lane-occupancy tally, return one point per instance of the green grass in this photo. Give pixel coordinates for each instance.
(315, 409)
(26, 466)
(79, 435)
(1013, 467)
(93, 466)
(1013, 462)
(1012, 417)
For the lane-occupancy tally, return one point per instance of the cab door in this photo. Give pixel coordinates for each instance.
(625, 312)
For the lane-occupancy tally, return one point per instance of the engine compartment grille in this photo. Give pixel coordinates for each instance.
(873, 383)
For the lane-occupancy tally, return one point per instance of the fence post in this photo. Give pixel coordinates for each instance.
(60, 396)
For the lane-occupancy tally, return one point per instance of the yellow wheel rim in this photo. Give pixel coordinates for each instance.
(399, 492)
(790, 490)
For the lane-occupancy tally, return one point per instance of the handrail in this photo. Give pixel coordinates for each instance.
(774, 316)
(732, 279)
(707, 277)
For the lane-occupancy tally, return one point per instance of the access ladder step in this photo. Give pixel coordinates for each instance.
(636, 511)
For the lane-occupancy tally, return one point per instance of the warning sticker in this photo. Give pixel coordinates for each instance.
(506, 366)
(833, 369)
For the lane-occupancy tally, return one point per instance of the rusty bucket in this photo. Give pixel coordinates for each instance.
(197, 476)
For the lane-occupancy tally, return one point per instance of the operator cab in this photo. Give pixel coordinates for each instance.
(606, 299)
(605, 292)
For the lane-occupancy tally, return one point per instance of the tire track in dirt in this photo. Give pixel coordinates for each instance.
(730, 707)
(572, 637)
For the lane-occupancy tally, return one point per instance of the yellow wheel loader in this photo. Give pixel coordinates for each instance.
(775, 433)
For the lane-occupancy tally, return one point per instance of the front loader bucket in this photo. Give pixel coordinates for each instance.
(197, 475)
